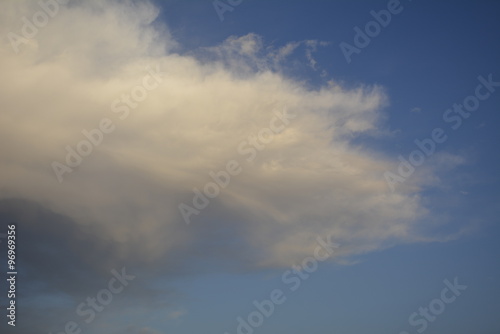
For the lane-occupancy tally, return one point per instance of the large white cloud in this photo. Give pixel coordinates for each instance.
(310, 180)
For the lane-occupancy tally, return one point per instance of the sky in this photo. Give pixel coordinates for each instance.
(248, 166)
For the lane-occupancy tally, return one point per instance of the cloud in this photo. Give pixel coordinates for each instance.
(120, 205)
(311, 180)
(177, 314)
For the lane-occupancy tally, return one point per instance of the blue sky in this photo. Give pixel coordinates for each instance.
(209, 86)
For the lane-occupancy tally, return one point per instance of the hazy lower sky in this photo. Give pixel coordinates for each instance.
(247, 166)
